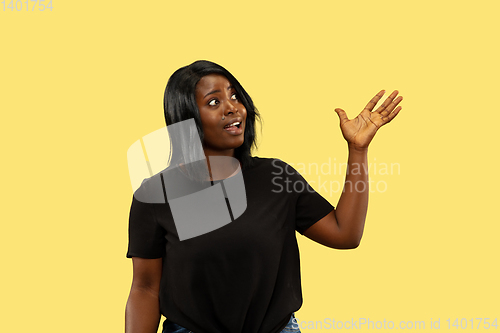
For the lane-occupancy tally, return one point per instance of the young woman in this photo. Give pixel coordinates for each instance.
(242, 277)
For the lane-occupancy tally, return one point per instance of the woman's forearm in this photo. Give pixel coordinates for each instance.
(353, 203)
(142, 313)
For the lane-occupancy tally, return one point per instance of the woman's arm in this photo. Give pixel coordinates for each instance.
(343, 227)
(142, 313)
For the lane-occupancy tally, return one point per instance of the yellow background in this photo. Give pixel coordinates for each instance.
(81, 83)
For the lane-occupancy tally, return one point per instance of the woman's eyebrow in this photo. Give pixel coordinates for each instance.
(212, 92)
(216, 91)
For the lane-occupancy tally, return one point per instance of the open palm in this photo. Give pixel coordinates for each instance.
(360, 131)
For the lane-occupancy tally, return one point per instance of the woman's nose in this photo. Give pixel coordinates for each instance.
(230, 107)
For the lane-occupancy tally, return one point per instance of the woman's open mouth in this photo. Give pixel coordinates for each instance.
(234, 128)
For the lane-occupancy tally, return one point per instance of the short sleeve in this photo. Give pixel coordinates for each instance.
(146, 238)
(310, 205)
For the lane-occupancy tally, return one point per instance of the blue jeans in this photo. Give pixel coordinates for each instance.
(171, 327)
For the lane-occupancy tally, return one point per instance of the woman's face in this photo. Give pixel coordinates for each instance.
(216, 98)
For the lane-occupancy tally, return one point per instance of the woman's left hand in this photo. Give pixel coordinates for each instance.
(360, 131)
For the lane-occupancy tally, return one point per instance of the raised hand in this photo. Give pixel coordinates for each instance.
(360, 131)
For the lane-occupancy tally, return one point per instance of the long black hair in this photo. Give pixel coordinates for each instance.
(179, 104)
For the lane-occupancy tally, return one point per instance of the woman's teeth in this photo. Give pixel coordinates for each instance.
(232, 125)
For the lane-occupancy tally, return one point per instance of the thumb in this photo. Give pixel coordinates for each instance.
(342, 115)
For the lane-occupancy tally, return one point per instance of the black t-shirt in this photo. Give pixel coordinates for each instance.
(243, 277)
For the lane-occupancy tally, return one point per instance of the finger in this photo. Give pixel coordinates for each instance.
(387, 101)
(392, 115)
(371, 104)
(391, 106)
(342, 115)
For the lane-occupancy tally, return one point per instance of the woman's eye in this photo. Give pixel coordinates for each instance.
(234, 96)
(213, 102)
